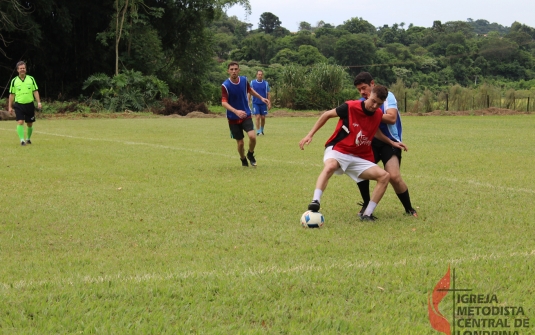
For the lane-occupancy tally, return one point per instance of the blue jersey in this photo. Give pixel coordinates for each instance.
(262, 88)
(392, 131)
(237, 97)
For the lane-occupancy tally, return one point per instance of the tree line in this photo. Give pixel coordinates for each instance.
(131, 52)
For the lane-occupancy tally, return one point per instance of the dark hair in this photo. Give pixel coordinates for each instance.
(19, 64)
(232, 63)
(380, 91)
(363, 78)
(259, 71)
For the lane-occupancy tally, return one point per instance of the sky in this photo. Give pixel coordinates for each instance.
(418, 12)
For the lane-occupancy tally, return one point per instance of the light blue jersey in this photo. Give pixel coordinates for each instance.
(392, 131)
(262, 88)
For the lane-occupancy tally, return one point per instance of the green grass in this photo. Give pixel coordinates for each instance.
(151, 226)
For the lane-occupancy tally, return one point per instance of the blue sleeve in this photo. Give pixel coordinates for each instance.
(267, 87)
(390, 102)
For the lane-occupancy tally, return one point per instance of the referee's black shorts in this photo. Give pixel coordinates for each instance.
(25, 112)
(383, 151)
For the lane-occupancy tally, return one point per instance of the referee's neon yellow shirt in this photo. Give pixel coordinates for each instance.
(23, 89)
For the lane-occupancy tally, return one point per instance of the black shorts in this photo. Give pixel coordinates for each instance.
(25, 112)
(383, 151)
(237, 129)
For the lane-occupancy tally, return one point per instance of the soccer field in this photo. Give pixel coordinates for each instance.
(151, 226)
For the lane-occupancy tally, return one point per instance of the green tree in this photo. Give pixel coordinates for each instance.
(308, 55)
(258, 46)
(125, 16)
(326, 45)
(355, 50)
(305, 26)
(357, 25)
(268, 22)
(14, 17)
(285, 56)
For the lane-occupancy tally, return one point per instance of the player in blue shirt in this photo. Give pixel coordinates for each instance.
(389, 155)
(260, 109)
(234, 92)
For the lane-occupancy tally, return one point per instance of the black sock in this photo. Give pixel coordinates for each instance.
(405, 200)
(364, 188)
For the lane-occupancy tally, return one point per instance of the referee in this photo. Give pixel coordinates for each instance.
(23, 92)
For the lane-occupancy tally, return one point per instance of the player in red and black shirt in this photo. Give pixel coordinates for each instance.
(348, 150)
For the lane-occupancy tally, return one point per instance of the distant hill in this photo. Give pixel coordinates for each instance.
(484, 27)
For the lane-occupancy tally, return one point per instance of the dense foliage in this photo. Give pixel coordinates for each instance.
(186, 45)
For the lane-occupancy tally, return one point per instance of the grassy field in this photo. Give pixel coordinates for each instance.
(151, 226)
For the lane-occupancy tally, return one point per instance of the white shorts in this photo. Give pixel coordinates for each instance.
(351, 165)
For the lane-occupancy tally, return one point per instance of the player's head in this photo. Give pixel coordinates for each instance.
(377, 97)
(259, 75)
(364, 84)
(21, 67)
(233, 70)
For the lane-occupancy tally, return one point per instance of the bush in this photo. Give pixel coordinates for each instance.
(181, 107)
(128, 90)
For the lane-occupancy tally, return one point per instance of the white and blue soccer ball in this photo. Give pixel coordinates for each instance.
(311, 219)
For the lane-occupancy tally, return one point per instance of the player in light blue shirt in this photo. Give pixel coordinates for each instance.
(385, 152)
(260, 109)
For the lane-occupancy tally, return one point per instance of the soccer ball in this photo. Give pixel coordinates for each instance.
(311, 219)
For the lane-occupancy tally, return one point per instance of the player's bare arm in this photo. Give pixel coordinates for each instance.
(383, 138)
(241, 114)
(390, 116)
(317, 126)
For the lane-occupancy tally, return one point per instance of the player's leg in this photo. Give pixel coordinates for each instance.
(256, 114)
(329, 167)
(364, 185)
(393, 167)
(241, 150)
(262, 123)
(248, 127)
(263, 113)
(236, 133)
(258, 129)
(382, 177)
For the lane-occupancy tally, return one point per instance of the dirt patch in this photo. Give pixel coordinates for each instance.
(479, 112)
(4, 115)
(195, 115)
(285, 113)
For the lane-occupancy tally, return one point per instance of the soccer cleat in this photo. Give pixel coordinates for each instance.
(251, 158)
(28, 141)
(22, 143)
(314, 206)
(412, 212)
(361, 212)
(244, 162)
(258, 134)
(368, 218)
